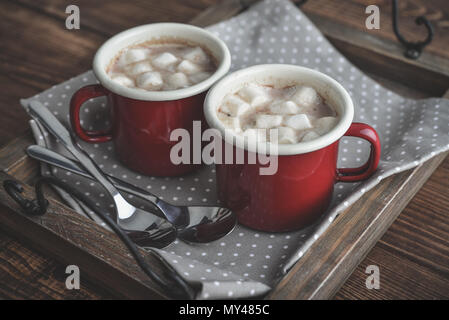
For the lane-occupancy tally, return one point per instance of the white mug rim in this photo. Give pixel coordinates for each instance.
(140, 94)
(229, 136)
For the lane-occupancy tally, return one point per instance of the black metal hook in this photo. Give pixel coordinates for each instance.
(412, 49)
(179, 288)
(299, 3)
(32, 207)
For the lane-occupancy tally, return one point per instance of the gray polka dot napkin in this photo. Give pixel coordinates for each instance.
(247, 263)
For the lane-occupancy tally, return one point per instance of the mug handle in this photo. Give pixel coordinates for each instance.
(366, 132)
(81, 96)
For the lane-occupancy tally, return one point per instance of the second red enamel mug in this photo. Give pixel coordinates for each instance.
(301, 187)
(142, 121)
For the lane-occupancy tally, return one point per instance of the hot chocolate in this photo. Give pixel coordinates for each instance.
(162, 65)
(298, 113)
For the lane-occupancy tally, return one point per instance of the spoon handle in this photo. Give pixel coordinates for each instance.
(58, 160)
(170, 212)
(49, 121)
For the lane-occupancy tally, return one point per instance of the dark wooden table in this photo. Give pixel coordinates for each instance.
(37, 51)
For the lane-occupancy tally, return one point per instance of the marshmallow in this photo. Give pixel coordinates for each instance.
(139, 68)
(164, 60)
(306, 97)
(188, 67)
(255, 135)
(284, 135)
(177, 80)
(123, 80)
(254, 95)
(325, 124)
(286, 107)
(197, 55)
(232, 123)
(234, 106)
(149, 80)
(198, 77)
(134, 55)
(298, 122)
(265, 121)
(311, 135)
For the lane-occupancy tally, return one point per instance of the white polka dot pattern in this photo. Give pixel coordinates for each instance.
(248, 263)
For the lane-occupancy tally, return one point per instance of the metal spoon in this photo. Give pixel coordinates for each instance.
(194, 223)
(128, 216)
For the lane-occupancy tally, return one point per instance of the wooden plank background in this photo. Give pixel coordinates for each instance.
(39, 52)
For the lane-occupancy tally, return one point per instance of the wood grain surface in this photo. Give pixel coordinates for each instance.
(39, 52)
(98, 253)
(351, 13)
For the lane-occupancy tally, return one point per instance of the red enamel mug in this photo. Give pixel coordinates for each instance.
(301, 188)
(142, 121)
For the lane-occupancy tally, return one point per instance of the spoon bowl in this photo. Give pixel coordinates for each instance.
(195, 224)
(214, 225)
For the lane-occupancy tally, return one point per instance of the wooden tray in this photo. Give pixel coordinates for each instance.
(66, 235)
